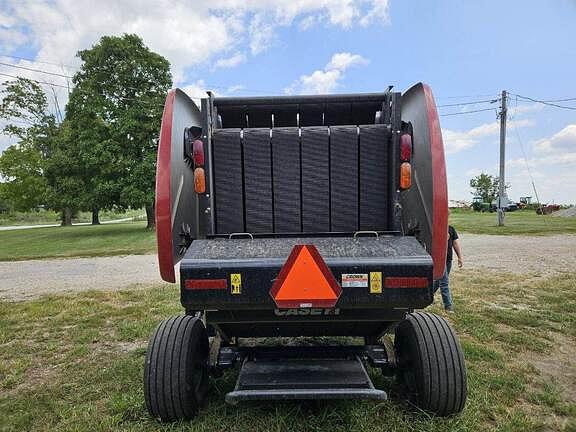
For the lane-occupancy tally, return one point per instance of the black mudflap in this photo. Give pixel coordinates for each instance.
(303, 378)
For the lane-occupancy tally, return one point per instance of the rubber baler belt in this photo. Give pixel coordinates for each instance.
(228, 197)
(312, 179)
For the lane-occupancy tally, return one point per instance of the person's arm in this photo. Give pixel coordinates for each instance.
(458, 250)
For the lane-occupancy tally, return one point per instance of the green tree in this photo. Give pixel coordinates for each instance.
(95, 155)
(24, 185)
(25, 109)
(115, 112)
(485, 186)
(64, 172)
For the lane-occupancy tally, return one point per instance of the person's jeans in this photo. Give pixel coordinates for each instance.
(444, 286)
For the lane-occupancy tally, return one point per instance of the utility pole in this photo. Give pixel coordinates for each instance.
(502, 181)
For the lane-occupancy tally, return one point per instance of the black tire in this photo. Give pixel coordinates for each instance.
(431, 363)
(176, 369)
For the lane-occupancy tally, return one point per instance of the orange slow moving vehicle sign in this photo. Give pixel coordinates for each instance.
(305, 281)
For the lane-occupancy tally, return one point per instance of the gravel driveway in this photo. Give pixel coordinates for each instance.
(22, 280)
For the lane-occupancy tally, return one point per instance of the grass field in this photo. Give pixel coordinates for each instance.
(132, 238)
(74, 363)
(61, 242)
(48, 217)
(525, 222)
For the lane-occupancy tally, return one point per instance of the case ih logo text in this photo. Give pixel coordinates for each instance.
(306, 311)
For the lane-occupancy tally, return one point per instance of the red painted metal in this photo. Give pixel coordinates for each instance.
(163, 216)
(440, 189)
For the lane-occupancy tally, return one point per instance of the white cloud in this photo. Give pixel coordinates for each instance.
(525, 109)
(326, 80)
(380, 11)
(231, 62)
(309, 22)
(189, 33)
(456, 141)
(473, 172)
(186, 32)
(562, 141)
(197, 90)
(235, 88)
(550, 170)
(342, 61)
(261, 34)
(6, 140)
(319, 82)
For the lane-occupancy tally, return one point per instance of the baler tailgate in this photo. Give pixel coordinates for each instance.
(389, 271)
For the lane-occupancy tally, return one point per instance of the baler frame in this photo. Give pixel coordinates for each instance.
(383, 256)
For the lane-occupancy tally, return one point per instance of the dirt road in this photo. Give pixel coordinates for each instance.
(22, 280)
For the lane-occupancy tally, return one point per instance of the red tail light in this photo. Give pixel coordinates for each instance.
(198, 153)
(405, 148)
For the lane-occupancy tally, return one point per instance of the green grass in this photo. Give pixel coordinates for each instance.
(524, 222)
(48, 217)
(74, 241)
(74, 363)
(132, 238)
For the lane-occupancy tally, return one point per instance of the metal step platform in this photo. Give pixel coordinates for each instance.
(303, 378)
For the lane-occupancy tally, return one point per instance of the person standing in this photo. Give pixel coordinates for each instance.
(444, 282)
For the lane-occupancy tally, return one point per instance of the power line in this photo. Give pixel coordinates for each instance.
(35, 70)
(528, 166)
(546, 102)
(36, 81)
(469, 103)
(561, 100)
(493, 100)
(37, 61)
(101, 72)
(550, 102)
(467, 112)
(468, 96)
(122, 99)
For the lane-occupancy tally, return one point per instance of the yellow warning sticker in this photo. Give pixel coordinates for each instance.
(236, 282)
(375, 282)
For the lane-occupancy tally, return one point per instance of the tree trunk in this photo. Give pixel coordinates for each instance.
(67, 217)
(95, 216)
(150, 217)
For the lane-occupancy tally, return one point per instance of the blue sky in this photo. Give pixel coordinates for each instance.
(466, 51)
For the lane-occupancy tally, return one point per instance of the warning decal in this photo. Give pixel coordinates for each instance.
(354, 280)
(305, 281)
(236, 282)
(375, 282)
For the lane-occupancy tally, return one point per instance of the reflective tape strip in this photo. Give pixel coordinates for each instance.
(205, 284)
(406, 282)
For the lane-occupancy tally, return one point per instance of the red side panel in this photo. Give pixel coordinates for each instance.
(425, 203)
(440, 188)
(163, 200)
(176, 202)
